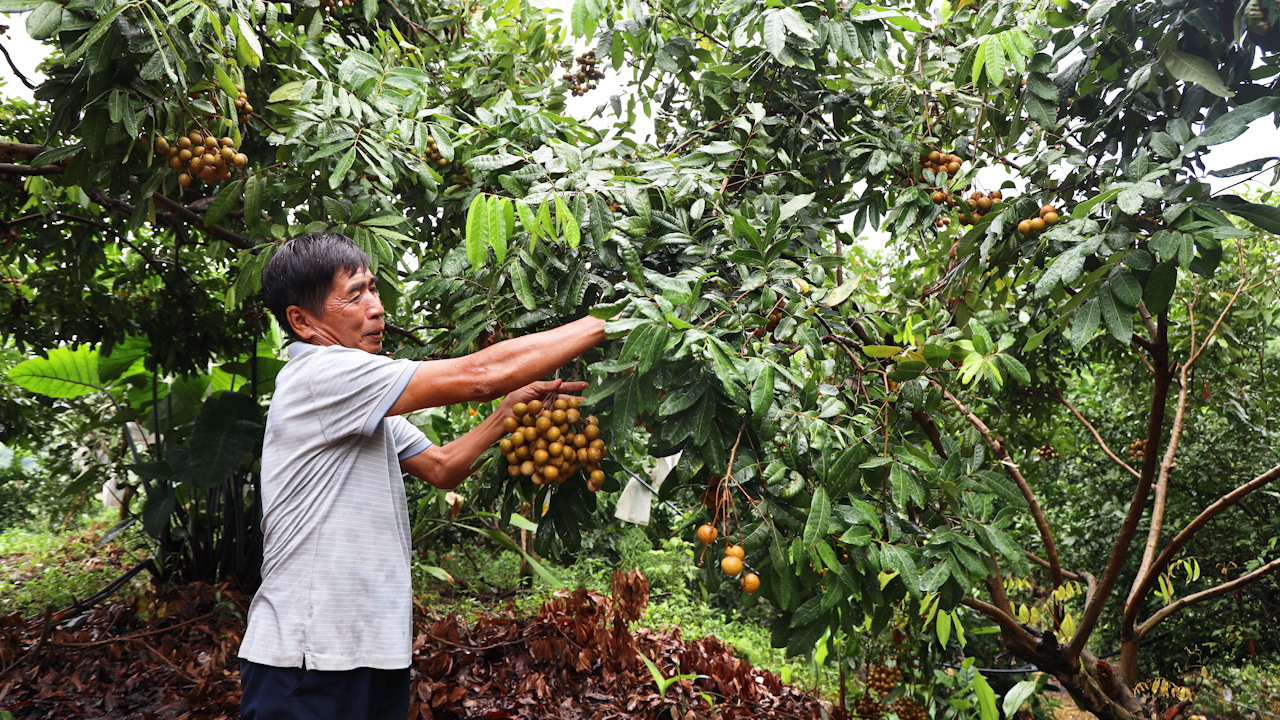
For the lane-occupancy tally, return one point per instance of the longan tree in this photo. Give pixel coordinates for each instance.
(846, 431)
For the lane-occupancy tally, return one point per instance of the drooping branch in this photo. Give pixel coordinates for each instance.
(1137, 506)
(216, 231)
(1148, 580)
(21, 170)
(1011, 468)
(1009, 625)
(1097, 437)
(1209, 594)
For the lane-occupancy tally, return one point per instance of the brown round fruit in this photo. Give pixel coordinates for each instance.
(535, 407)
(175, 162)
(1037, 225)
(1047, 209)
(526, 468)
(1050, 218)
(750, 583)
(736, 551)
(1024, 228)
(551, 472)
(510, 424)
(184, 180)
(731, 565)
(707, 534)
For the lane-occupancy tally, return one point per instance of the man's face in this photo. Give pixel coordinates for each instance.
(351, 315)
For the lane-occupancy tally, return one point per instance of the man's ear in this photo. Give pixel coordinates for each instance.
(300, 321)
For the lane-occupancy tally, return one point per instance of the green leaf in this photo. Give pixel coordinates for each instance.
(248, 49)
(843, 292)
(1085, 323)
(226, 433)
(996, 62)
(95, 34)
(224, 81)
(943, 627)
(1119, 319)
(1266, 217)
(520, 283)
(1125, 287)
(1018, 696)
(339, 174)
(496, 215)
(896, 559)
(1158, 291)
(1193, 68)
(775, 36)
(986, 698)
(477, 237)
(762, 393)
(819, 522)
(64, 373)
(253, 198)
(794, 205)
(222, 203)
(881, 351)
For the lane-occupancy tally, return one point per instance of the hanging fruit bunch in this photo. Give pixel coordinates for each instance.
(771, 320)
(244, 109)
(1048, 452)
(941, 162)
(586, 76)
(979, 204)
(883, 679)
(548, 444)
(1137, 448)
(334, 6)
(201, 156)
(433, 157)
(908, 709)
(868, 707)
(1032, 226)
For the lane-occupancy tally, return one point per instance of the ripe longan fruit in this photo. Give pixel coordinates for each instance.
(535, 407)
(597, 476)
(175, 162)
(184, 143)
(510, 424)
(550, 472)
(1047, 209)
(520, 409)
(526, 468)
(1037, 225)
(736, 551)
(731, 565)
(1050, 218)
(750, 583)
(1024, 228)
(184, 180)
(707, 534)
(210, 142)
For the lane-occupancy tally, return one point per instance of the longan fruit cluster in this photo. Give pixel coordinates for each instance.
(243, 107)
(335, 5)
(908, 709)
(883, 679)
(733, 563)
(432, 155)
(1137, 448)
(772, 319)
(979, 205)
(463, 178)
(1047, 218)
(546, 447)
(201, 156)
(1048, 452)
(868, 708)
(584, 79)
(941, 162)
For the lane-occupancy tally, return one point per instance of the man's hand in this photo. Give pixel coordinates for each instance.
(545, 390)
(446, 466)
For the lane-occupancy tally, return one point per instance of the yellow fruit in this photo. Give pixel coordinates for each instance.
(535, 407)
(731, 565)
(184, 180)
(1050, 218)
(550, 472)
(750, 583)
(1024, 228)
(1047, 209)
(1037, 225)
(706, 533)
(510, 424)
(519, 409)
(526, 468)
(736, 551)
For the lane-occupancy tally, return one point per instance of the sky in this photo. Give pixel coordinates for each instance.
(27, 53)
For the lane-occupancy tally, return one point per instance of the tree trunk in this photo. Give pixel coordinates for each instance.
(1095, 685)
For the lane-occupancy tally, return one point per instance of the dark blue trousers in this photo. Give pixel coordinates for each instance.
(277, 693)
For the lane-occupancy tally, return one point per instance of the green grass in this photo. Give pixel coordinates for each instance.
(42, 566)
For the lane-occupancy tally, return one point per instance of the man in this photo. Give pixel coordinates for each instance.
(329, 630)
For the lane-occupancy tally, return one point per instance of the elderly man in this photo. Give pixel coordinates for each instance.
(330, 629)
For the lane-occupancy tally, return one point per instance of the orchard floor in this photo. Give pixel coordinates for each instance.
(172, 654)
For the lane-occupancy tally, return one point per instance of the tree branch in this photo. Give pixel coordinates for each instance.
(1182, 538)
(1209, 594)
(1011, 468)
(216, 231)
(12, 169)
(1137, 506)
(21, 151)
(1008, 624)
(1097, 438)
(404, 334)
(17, 73)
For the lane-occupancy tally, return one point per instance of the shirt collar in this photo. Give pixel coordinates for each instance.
(298, 349)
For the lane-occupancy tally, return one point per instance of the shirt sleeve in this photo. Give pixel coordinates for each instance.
(406, 436)
(352, 390)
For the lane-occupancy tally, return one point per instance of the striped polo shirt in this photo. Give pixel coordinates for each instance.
(335, 591)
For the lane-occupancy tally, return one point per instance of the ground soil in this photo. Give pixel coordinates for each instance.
(172, 654)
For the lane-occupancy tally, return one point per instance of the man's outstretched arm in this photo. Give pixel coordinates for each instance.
(445, 466)
(498, 369)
